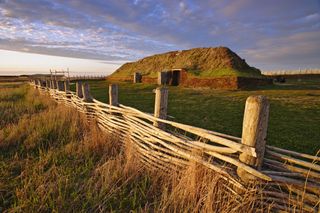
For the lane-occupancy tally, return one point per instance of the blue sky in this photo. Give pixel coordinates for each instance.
(273, 34)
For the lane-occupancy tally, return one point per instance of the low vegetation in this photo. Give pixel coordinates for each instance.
(54, 160)
(199, 62)
(294, 109)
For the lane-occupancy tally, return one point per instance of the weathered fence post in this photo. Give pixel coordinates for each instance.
(161, 105)
(86, 92)
(54, 82)
(137, 77)
(79, 89)
(36, 83)
(47, 84)
(254, 133)
(66, 86)
(60, 85)
(113, 95)
(43, 83)
(162, 78)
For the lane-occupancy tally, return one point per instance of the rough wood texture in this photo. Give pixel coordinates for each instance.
(51, 84)
(161, 105)
(86, 93)
(54, 84)
(66, 86)
(60, 85)
(113, 95)
(47, 83)
(254, 133)
(79, 89)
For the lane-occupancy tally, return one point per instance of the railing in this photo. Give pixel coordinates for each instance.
(292, 72)
(292, 178)
(87, 77)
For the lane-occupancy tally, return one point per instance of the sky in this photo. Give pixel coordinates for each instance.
(97, 36)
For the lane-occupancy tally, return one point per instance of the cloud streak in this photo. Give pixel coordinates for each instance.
(266, 33)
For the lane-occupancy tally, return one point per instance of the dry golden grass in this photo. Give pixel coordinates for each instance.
(53, 160)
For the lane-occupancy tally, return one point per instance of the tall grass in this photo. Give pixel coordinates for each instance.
(52, 159)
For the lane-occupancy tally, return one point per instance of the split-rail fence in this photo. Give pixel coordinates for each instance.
(290, 180)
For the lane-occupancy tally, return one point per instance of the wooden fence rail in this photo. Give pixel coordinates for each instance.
(291, 179)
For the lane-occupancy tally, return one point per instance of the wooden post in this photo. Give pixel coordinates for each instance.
(43, 83)
(60, 85)
(54, 82)
(161, 105)
(113, 95)
(162, 78)
(47, 84)
(254, 133)
(137, 77)
(66, 86)
(36, 83)
(86, 92)
(79, 89)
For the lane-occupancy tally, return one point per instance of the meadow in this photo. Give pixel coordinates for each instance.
(294, 121)
(53, 160)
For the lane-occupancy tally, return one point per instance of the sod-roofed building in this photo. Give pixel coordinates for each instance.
(217, 67)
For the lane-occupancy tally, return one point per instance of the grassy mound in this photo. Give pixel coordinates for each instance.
(199, 62)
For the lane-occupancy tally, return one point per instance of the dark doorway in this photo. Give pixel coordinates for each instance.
(175, 77)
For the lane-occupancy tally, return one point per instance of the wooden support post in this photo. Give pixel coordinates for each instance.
(162, 78)
(113, 95)
(54, 82)
(86, 92)
(137, 77)
(79, 89)
(43, 83)
(254, 133)
(161, 105)
(47, 84)
(60, 85)
(66, 86)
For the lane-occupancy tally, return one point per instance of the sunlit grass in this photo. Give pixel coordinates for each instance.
(52, 159)
(294, 111)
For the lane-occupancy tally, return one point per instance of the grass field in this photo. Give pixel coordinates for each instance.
(52, 160)
(294, 109)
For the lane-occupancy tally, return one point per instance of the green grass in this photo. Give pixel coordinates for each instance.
(294, 109)
(53, 160)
